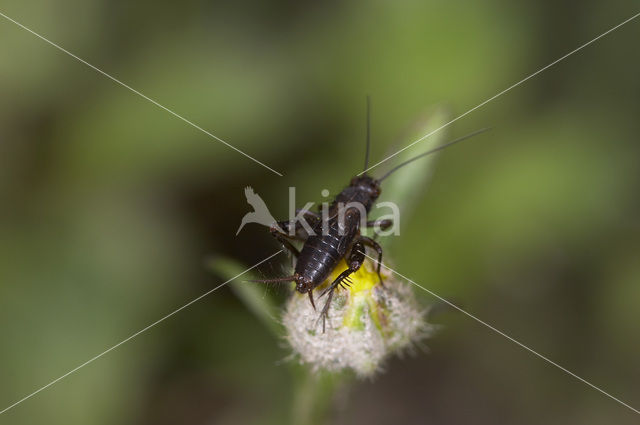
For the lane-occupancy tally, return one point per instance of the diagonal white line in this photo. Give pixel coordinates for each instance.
(507, 336)
(134, 335)
(273, 255)
(504, 91)
(140, 94)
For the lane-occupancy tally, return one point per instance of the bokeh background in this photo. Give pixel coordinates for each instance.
(110, 207)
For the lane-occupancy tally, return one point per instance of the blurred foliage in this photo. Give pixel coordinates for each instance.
(251, 294)
(313, 394)
(110, 205)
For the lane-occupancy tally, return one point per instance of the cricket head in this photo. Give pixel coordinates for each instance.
(366, 184)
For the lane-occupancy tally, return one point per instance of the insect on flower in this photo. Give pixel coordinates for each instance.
(335, 232)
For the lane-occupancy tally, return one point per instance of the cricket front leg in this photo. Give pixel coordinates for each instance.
(383, 224)
(375, 245)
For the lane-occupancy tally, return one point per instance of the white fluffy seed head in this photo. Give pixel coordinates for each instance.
(367, 323)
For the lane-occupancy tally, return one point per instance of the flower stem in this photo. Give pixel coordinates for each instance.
(315, 397)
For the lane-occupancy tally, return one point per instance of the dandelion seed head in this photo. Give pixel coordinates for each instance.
(367, 323)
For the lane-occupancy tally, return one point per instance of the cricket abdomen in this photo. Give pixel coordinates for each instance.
(322, 252)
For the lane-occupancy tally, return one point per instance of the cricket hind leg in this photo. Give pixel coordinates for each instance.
(300, 231)
(356, 259)
(285, 240)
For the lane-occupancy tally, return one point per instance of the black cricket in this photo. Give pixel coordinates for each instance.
(341, 238)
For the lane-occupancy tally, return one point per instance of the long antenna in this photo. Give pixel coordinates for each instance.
(278, 279)
(434, 150)
(366, 155)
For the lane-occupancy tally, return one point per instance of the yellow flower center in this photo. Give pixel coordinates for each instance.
(359, 293)
(362, 280)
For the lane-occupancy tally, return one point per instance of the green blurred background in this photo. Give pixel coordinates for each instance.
(110, 206)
